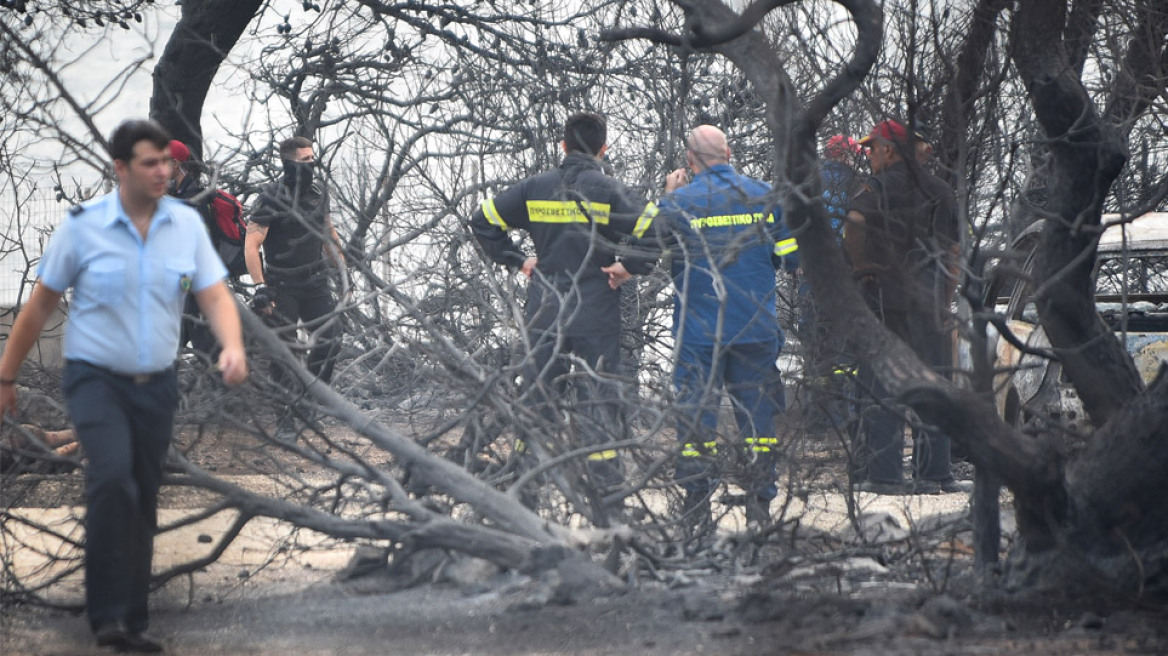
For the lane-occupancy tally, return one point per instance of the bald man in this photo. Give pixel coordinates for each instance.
(725, 232)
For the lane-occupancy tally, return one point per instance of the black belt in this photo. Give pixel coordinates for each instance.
(142, 379)
(137, 379)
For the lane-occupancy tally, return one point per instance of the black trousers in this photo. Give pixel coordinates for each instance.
(311, 304)
(882, 441)
(125, 428)
(598, 416)
(195, 329)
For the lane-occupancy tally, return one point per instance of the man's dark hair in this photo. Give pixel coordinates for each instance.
(130, 132)
(585, 132)
(288, 147)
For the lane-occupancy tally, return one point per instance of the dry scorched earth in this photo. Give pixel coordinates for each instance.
(277, 591)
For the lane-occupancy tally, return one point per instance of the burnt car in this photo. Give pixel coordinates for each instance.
(1131, 295)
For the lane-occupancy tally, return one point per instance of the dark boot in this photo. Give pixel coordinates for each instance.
(696, 516)
(758, 511)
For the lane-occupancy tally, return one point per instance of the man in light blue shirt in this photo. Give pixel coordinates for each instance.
(131, 257)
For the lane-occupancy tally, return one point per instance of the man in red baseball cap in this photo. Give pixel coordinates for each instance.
(888, 130)
(903, 239)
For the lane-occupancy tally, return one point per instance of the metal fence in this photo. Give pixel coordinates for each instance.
(27, 224)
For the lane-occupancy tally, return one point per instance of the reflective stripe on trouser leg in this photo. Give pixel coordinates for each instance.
(696, 466)
(697, 421)
(757, 445)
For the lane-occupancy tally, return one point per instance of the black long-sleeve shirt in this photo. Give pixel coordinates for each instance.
(580, 220)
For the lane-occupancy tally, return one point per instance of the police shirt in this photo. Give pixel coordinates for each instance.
(128, 293)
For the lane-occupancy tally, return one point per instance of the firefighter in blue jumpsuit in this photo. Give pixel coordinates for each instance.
(726, 239)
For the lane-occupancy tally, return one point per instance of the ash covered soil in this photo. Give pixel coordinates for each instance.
(282, 591)
(718, 615)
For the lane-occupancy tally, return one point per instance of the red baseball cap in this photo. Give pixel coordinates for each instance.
(179, 151)
(888, 130)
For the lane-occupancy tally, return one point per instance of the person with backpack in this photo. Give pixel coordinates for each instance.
(222, 214)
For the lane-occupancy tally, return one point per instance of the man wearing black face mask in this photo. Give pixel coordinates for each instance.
(290, 221)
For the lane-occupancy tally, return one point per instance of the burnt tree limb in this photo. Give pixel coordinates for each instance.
(967, 74)
(503, 511)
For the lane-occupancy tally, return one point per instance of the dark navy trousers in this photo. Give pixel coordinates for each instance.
(749, 375)
(558, 366)
(125, 427)
(879, 451)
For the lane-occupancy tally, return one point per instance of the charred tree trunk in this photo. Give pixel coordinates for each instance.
(1086, 159)
(201, 40)
(1106, 519)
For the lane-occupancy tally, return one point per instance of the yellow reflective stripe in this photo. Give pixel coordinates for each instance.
(844, 371)
(492, 214)
(762, 444)
(786, 247)
(607, 454)
(690, 450)
(730, 220)
(645, 220)
(559, 211)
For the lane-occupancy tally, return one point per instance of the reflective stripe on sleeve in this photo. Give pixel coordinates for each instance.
(786, 247)
(645, 220)
(492, 214)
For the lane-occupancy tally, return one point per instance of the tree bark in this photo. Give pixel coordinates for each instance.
(1086, 158)
(207, 31)
(958, 102)
(1118, 487)
(505, 512)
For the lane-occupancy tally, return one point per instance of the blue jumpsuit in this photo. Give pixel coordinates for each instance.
(726, 238)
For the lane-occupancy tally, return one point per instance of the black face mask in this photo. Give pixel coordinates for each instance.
(298, 175)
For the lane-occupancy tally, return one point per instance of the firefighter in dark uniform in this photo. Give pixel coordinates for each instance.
(582, 223)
